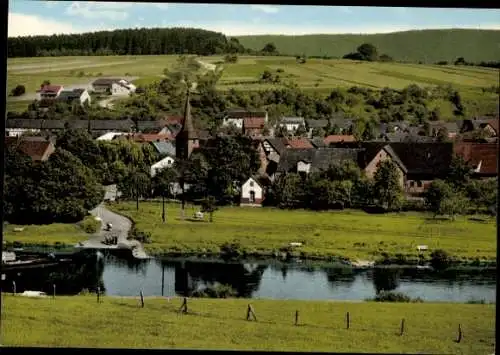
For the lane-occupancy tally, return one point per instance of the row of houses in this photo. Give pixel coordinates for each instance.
(254, 123)
(112, 86)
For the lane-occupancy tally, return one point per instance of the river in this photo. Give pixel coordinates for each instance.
(125, 276)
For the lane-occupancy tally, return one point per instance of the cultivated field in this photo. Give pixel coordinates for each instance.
(316, 74)
(220, 324)
(352, 234)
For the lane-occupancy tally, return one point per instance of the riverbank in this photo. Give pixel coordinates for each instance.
(56, 235)
(351, 235)
(221, 324)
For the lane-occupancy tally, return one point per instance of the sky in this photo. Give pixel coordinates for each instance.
(28, 17)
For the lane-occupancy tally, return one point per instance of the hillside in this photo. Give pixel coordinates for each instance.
(428, 46)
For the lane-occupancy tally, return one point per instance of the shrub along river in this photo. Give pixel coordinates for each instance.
(122, 275)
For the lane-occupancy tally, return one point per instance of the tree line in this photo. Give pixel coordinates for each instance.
(344, 185)
(142, 41)
(70, 182)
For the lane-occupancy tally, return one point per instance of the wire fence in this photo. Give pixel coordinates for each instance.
(340, 321)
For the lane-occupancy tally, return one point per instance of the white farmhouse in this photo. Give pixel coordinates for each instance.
(166, 162)
(292, 123)
(252, 192)
(118, 87)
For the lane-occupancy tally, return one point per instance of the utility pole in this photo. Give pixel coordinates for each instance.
(163, 217)
(136, 192)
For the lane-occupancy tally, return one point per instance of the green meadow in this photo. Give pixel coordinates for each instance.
(427, 46)
(351, 234)
(45, 235)
(315, 74)
(78, 321)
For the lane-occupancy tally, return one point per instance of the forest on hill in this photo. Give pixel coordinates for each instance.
(426, 46)
(125, 42)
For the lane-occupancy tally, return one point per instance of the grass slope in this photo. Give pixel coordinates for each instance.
(352, 234)
(220, 324)
(428, 46)
(50, 234)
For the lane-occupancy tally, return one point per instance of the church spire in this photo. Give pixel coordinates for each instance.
(187, 126)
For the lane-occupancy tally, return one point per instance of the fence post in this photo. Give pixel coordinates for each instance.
(14, 289)
(348, 320)
(459, 339)
(54, 288)
(142, 300)
(98, 294)
(297, 317)
(184, 306)
(402, 331)
(250, 312)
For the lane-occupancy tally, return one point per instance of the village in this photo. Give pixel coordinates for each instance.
(292, 144)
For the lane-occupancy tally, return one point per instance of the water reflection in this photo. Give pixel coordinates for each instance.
(386, 279)
(122, 275)
(84, 273)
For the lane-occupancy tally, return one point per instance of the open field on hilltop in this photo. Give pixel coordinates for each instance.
(428, 46)
(351, 234)
(49, 234)
(220, 324)
(315, 74)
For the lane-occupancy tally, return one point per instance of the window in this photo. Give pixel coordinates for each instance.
(252, 196)
(419, 183)
(412, 183)
(251, 183)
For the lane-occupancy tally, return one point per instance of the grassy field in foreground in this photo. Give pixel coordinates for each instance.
(353, 234)
(49, 234)
(220, 324)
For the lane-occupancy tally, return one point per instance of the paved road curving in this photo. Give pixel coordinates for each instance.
(121, 227)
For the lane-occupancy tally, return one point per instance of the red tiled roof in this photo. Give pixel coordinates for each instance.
(34, 148)
(474, 153)
(298, 143)
(254, 122)
(50, 88)
(173, 119)
(338, 138)
(145, 137)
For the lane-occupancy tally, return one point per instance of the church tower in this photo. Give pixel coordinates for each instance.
(186, 139)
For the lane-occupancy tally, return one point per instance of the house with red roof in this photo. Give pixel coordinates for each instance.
(334, 138)
(254, 126)
(297, 143)
(483, 157)
(38, 148)
(49, 91)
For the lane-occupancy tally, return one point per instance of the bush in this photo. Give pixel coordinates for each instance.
(231, 58)
(440, 259)
(90, 225)
(143, 237)
(218, 291)
(18, 90)
(390, 296)
(414, 205)
(232, 250)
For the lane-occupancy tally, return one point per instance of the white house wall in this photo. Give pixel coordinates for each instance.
(246, 188)
(238, 122)
(162, 164)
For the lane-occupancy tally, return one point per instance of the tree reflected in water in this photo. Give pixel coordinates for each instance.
(386, 279)
(243, 278)
(83, 273)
